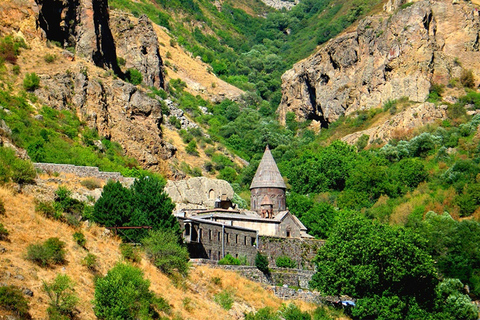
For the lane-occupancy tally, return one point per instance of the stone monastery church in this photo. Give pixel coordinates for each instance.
(215, 229)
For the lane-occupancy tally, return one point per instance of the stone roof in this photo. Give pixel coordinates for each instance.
(267, 175)
(266, 201)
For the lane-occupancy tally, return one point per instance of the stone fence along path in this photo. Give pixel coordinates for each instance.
(82, 171)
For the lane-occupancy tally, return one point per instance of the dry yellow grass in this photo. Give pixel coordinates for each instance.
(193, 299)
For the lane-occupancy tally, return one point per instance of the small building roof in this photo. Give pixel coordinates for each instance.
(266, 201)
(267, 175)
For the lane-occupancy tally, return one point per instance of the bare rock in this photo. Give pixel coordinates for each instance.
(137, 43)
(385, 58)
(119, 111)
(200, 192)
(402, 124)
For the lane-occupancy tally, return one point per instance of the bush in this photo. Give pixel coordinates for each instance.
(11, 298)
(261, 262)
(163, 249)
(31, 81)
(191, 148)
(50, 252)
(2, 208)
(23, 172)
(466, 79)
(63, 298)
(47, 209)
(3, 232)
(229, 260)
(49, 58)
(224, 299)
(285, 262)
(90, 261)
(124, 294)
(79, 238)
(130, 253)
(134, 76)
(91, 184)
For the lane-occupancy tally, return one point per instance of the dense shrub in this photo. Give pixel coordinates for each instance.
(467, 79)
(91, 184)
(31, 81)
(80, 239)
(10, 49)
(134, 76)
(50, 252)
(11, 298)
(165, 252)
(2, 208)
(124, 294)
(261, 262)
(285, 262)
(90, 261)
(62, 296)
(130, 253)
(3, 232)
(229, 260)
(224, 299)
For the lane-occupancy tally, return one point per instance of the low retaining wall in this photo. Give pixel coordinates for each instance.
(278, 276)
(301, 250)
(82, 171)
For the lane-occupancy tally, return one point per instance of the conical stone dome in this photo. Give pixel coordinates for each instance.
(267, 175)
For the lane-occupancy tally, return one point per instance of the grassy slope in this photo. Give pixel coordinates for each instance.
(27, 227)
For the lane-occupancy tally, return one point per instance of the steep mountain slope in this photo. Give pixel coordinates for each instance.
(386, 57)
(194, 298)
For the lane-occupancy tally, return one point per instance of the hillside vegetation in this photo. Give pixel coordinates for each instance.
(192, 297)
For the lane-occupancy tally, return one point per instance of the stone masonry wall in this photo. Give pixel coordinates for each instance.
(301, 250)
(82, 171)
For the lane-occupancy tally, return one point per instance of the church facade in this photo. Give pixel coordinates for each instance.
(215, 232)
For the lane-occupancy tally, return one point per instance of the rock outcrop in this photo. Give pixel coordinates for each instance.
(280, 4)
(85, 25)
(385, 58)
(196, 193)
(118, 111)
(402, 125)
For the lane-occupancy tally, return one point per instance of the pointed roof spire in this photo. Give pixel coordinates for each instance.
(268, 175)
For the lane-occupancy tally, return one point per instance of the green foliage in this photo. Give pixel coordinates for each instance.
(31, 81)
(49, 58)
(91, 184)
(11, 298)
(49, 253)
(10, 48)
(3, 232)
(130, 253)
(133, 76)
(15, 169)
(225, 299)
(364, 259)
(144, 204)
(165, 252)
(436, 91)
(124, 294)
(62, 296)
(229, 260)
(261, 262)
(467, 79)
(191, 148)
(285, 262)
(80, 239)
(3, 211)
(90, 261)
(266, 313)
(292, 312)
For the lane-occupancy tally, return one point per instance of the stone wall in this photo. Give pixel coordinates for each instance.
(204, 240)
(282, 277)
(301, 250)
(82, 171)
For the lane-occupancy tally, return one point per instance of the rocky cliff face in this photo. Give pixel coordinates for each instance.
(86, 26)
(387, 57)
(118, 111)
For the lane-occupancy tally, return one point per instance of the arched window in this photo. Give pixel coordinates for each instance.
(211, 194)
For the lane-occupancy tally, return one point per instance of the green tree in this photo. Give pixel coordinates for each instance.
(261, 262)
(319, 219)
(114, 207)
(362, 259)
(163, 249)
(63, 298)
(123, 294)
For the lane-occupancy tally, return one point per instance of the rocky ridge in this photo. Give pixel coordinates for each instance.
(384, 58)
